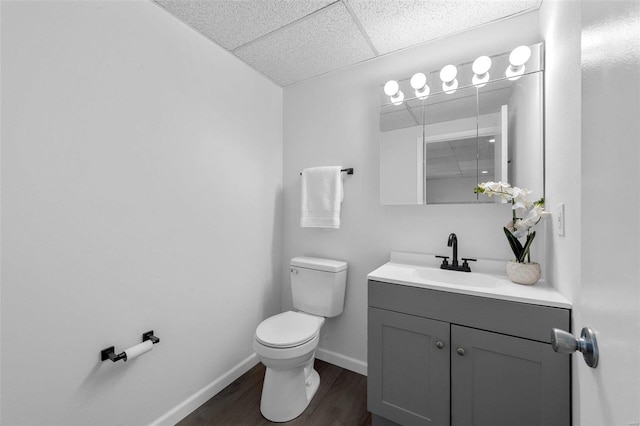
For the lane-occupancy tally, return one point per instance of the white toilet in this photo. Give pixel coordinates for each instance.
(286, 343)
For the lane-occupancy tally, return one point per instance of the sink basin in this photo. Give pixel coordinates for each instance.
(420, 270)
(468, 279)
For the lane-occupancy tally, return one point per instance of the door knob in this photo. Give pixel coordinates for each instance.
(439, 345)
(564, 343)
(460, 351)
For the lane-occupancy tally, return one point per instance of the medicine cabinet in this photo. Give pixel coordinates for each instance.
(474, 128)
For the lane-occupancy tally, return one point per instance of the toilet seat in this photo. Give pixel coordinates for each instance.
(287, 330)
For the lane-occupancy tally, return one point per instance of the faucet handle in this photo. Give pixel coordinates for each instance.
(444, 260)
(465, 264)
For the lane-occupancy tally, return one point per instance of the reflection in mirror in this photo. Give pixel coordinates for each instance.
(451, 147)
(401, 153)
(518, 146)
(436, 149)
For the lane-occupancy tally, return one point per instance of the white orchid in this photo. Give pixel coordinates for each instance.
(519, 227)
(519, 197)
(523, 225)
(504, 190)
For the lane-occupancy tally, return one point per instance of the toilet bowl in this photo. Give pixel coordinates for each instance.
(286, 343)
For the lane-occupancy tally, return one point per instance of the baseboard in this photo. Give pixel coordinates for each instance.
(187, 406)
(343, 361)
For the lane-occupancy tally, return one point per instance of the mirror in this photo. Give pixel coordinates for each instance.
(436, 150)
(401, 153)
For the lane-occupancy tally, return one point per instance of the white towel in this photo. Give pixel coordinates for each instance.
(322, 195)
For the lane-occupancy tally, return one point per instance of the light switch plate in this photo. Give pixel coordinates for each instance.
(559, 220)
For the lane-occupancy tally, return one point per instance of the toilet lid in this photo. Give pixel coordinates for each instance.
(287, 329)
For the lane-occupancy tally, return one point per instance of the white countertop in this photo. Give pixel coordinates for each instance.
(421, 270)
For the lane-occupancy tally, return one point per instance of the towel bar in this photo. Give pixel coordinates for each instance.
(348, 170)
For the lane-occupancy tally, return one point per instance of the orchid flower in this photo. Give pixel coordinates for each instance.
(519, 227)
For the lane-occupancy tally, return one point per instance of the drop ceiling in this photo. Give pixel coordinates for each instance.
(293, 40)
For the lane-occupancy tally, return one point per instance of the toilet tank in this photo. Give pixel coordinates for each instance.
(318, 285)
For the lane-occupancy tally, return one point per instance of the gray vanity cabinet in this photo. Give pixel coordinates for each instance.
(505, 381)
(443, 358)
(413, 364)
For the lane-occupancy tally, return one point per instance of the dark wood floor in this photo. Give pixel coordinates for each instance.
(340, 400)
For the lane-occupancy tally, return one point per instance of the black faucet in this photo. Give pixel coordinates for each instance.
(455, 266)
(453, 242)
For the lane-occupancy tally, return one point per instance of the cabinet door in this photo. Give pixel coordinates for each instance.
(501, 380)
(408, 368)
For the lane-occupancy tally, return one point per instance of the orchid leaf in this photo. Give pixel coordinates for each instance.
(516, 247)
(526, 215)
(527, 246)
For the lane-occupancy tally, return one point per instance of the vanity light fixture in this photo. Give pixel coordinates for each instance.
(484, 172)
(480, 69)
(392, 89)
(492, 140)
(448, 75)
(518, 57)
(479, 72)
(419, 84)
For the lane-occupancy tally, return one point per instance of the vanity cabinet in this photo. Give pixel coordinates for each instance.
(443, 358)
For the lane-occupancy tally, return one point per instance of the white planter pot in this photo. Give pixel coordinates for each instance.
(524, 273)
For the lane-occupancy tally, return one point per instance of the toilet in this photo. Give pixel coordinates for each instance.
(286, 343)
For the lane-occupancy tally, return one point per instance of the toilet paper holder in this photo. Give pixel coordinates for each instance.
(110, 352)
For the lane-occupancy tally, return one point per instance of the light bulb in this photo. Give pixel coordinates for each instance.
(481, 65)
(423, 93)
(480, 69)
(450, 87)
(448, 73)
(480, 81)
(514, 73)
(517, 58)
(391, 88)
(418, 81)
(398, 98)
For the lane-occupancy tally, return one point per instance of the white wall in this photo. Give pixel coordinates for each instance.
(333, 119)
(141, 189)
(560, 26)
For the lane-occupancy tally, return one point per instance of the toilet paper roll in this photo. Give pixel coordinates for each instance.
(137, 350)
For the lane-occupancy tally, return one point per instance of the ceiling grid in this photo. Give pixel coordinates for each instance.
(293, 40)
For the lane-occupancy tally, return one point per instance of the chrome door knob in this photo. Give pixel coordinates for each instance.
(564, 343)
(460, 351)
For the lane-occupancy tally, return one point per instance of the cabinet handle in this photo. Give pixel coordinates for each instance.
(460, 351)
(439, 345)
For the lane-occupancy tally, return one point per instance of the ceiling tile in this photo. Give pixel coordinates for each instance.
(396, 24)
(325, 41)
(234, 23)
